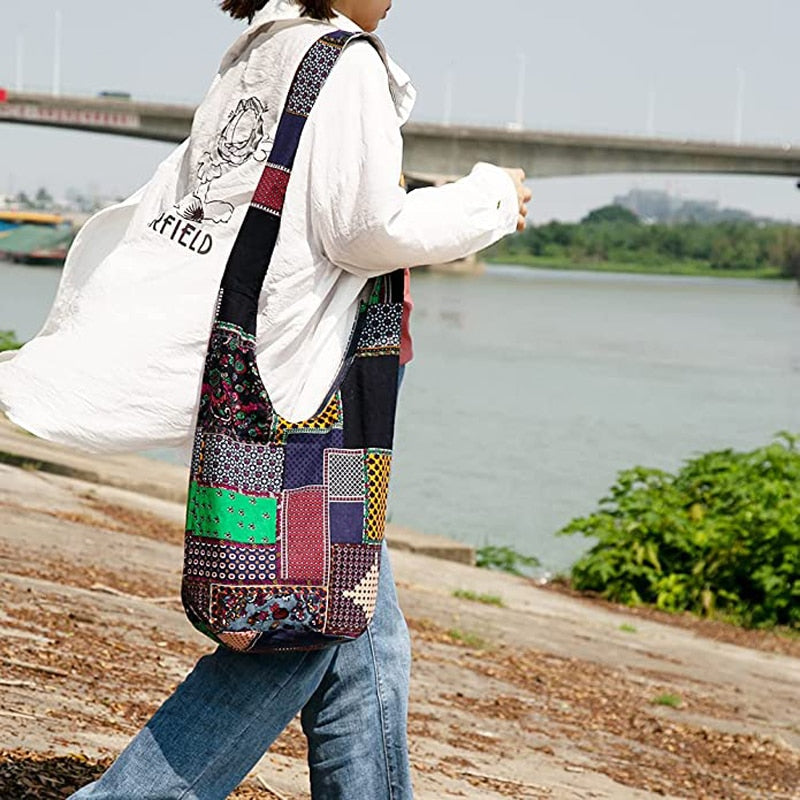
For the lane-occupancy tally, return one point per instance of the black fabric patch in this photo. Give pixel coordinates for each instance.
(369, 395)
(247, 267)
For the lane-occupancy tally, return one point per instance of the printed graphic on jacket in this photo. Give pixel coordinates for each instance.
(242, 138)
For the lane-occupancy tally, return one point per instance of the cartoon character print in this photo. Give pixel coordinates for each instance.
(242, 138)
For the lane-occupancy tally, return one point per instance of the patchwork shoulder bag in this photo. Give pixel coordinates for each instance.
(285, 520)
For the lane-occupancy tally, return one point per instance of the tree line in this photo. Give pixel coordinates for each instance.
(43, 200)
(615, 234)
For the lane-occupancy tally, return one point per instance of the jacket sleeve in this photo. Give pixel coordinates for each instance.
(365, 223)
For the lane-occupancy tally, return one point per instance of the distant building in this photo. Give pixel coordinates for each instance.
(651, 205)
(648, 204)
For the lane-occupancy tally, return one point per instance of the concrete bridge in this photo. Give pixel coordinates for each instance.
(435, 153)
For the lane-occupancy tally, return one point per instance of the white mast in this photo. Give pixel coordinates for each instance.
(20, 77)
(57, 55)
(739, 125)
(651, 112)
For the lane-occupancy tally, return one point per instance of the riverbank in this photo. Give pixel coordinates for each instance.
(544, 696)
(694, 269)
(594, 373)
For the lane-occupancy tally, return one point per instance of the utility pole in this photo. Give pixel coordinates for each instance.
(57, 55)
(651, 112)
(519, 123)
(448, 97)
(20, 77)
(739, 124)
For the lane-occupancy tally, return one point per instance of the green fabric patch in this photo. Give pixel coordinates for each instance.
(375, 295)
(232, 516)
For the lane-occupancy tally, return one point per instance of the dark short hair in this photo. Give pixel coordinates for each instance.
(246, 9)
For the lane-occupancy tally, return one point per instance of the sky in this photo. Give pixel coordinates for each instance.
(618, 66)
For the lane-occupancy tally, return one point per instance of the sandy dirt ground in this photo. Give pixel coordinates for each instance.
(546, 696)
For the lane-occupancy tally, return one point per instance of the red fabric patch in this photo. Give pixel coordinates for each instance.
(271, 190)
(305, 527)
(3, 96)
(406, 343)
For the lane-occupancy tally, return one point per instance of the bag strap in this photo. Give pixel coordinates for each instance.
(255, 243)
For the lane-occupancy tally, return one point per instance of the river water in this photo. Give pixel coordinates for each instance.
(532, 388)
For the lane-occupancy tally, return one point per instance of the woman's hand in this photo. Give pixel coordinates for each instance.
(523, 194)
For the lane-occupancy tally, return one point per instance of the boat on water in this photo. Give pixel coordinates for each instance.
(33, 237)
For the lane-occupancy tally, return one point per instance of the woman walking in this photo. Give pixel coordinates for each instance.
(119, 362)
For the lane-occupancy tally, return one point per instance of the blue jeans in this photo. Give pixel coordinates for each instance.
(211, 732)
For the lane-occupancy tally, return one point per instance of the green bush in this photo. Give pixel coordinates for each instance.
(8, 341)
(722, 537)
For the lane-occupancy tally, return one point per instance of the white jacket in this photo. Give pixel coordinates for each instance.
(118, 363)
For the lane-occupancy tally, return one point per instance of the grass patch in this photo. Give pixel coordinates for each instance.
(667, 699)
(505, 559)
(698, 269)
(486, 599)
(467, 639)
(626, 627)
